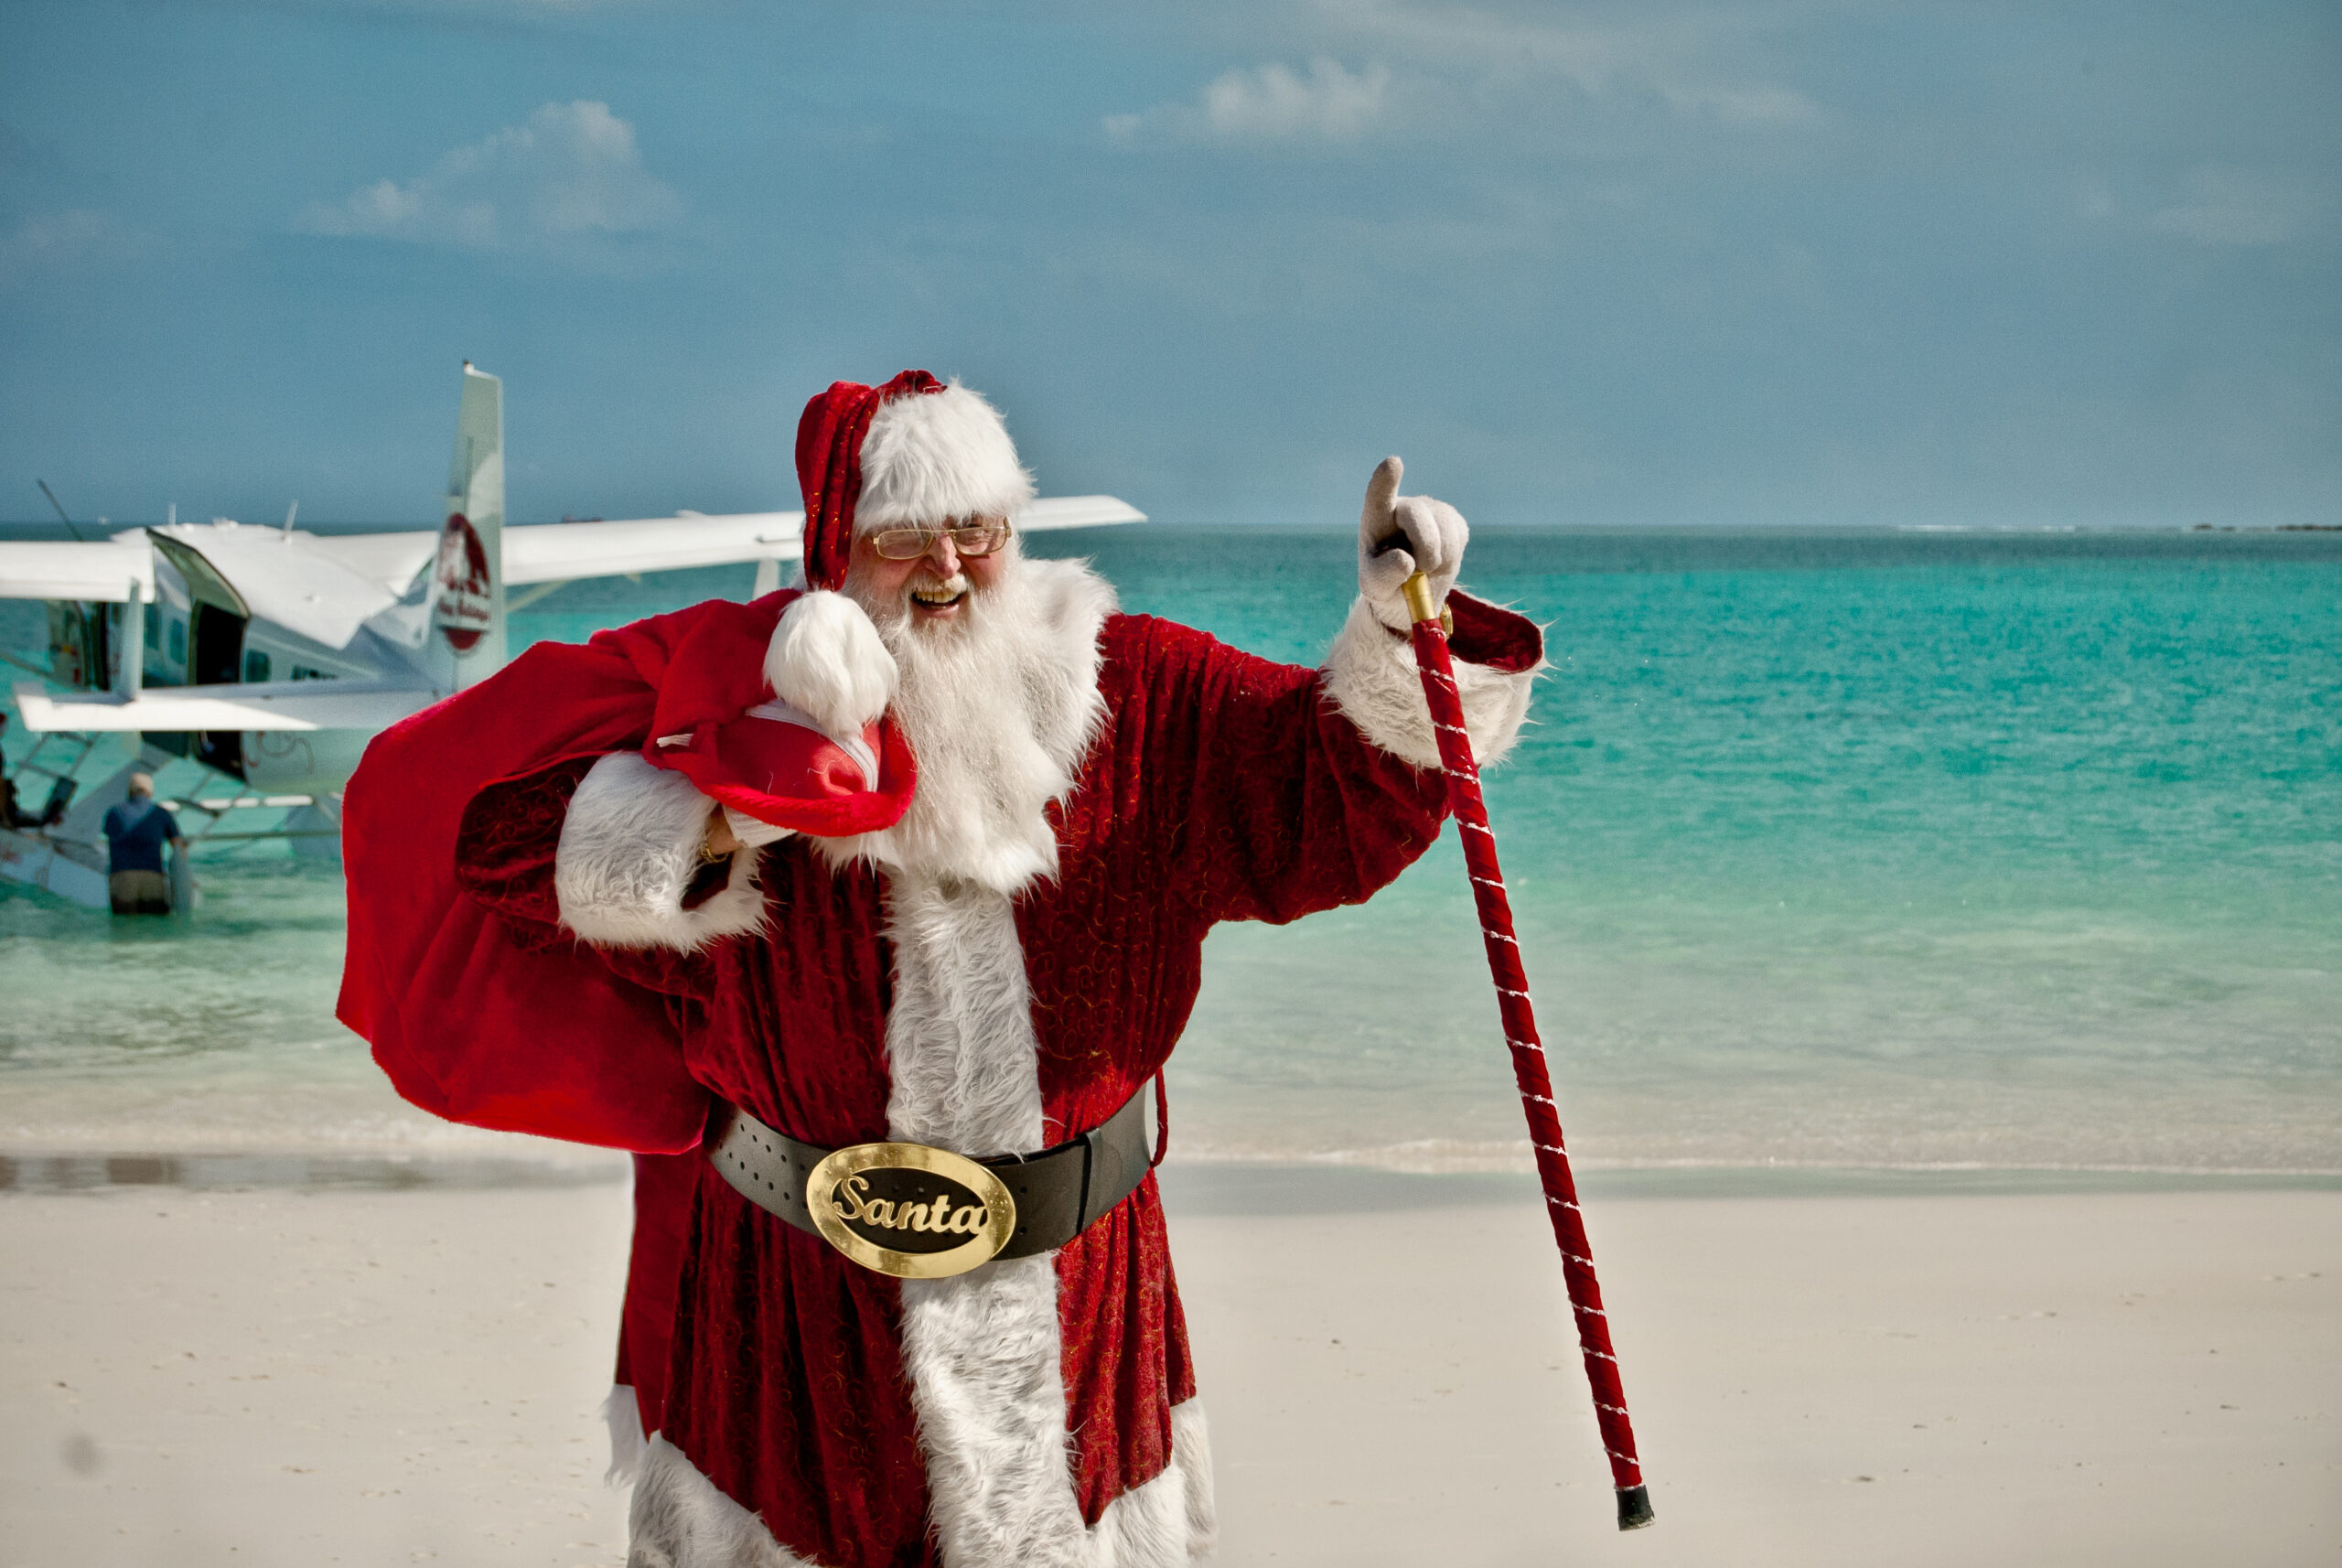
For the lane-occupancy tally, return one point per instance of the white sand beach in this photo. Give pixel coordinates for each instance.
(369, 1377)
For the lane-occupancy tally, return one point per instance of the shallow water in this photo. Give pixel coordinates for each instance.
(1886, 849)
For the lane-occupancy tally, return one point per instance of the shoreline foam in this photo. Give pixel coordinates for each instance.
(1206, 1185)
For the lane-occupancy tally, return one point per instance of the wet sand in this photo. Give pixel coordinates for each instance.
(201, 1375)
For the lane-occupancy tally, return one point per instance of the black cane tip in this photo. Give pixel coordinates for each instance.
(1634, 1508)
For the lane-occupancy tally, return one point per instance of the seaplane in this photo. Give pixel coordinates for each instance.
(254, 661)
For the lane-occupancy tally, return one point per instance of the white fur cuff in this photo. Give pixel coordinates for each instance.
(1371, 674)
(628, 849)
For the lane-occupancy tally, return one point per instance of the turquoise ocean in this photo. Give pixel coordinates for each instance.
(1873, 849)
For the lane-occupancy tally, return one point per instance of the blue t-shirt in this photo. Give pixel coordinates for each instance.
(136, 831)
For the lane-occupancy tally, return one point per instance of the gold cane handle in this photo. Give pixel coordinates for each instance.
(1422, 608)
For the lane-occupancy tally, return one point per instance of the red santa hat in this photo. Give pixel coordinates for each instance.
(915, 450)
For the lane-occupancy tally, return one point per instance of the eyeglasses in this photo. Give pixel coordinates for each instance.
(981, 537)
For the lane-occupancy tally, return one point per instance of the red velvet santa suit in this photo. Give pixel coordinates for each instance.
(520, 959)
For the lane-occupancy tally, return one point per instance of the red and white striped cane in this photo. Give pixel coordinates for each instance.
(1528, 1051)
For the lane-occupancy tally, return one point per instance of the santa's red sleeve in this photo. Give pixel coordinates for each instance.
(1299, 790)
(482, 1001)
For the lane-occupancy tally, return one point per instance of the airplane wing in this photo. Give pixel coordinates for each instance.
(390, 559)
(259, 706)
(558, 551)
(84, 572)
(1076, 512)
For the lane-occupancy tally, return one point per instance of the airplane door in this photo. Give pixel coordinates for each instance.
(218, 615)
(217, 658)
(219, 647)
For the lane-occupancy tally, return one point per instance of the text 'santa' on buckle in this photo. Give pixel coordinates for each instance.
(908, 1210)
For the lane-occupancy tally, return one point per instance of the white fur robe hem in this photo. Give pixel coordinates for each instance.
(680, 1519)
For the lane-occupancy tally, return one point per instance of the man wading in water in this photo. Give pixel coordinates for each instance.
(136, 831)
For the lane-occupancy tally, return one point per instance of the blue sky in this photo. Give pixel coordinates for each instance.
(1604, 263)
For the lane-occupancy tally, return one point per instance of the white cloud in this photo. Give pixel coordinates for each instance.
(1714, 61)
(573, 176)
(2220, 205)
(1273, 103)
(53, 240)
(1718, 66)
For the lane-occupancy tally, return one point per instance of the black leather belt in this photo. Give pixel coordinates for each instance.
(919, 1212)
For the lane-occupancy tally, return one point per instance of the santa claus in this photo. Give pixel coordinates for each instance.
(920, 859)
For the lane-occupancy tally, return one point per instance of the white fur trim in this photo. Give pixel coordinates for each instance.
(826, 662)
(1191, 1457)
(980, 1348)
(1072, 602)
(623, 1415)
(680, 1519)
(932, 455)
(628, 849)
(1371, 675)
(1167, 1521)
(961, 1058)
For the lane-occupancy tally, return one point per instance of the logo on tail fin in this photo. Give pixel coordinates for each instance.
(464, 610)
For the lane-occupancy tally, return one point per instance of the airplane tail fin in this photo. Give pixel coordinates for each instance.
(467, 636)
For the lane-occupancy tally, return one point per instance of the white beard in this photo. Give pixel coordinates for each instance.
(999, 706)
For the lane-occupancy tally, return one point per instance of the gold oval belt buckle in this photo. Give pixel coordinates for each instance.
(908, 1210)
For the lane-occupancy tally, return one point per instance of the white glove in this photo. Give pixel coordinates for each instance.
(1420, 533)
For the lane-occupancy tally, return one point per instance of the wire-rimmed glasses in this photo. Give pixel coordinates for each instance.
(977, 536)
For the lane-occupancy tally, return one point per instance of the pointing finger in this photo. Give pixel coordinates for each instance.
(1381, 490)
